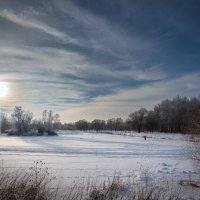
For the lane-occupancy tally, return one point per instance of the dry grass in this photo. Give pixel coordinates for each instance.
(20, 185)
(38, 184)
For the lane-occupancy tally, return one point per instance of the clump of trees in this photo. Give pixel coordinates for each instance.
(22, 122)
(178, 115)
(49, 122)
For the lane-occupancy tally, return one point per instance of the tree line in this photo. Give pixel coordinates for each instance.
(178, 115)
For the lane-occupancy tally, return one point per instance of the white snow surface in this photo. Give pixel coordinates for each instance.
(76, 154)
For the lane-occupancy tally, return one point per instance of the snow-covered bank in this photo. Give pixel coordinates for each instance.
(82, 154)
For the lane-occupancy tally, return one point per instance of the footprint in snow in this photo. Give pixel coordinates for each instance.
(165, 165)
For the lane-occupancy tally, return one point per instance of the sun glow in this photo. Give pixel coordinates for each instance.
(3, 89)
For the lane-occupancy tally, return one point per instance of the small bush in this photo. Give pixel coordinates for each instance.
(51, 133)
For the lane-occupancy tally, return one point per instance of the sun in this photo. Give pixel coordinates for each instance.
(3, 89)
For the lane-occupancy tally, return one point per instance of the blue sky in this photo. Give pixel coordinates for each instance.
(98, 59)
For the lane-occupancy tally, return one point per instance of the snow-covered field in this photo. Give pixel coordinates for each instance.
(75, 154)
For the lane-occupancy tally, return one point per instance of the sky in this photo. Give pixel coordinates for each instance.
(87, 59)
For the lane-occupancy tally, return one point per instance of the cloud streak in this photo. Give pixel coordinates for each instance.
(24, 21)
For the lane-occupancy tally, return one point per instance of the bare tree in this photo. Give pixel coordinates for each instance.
(82, 125)
(193, 119)
(47, 119)
(98, 124)
(56, 122)
(49, 122)
(115, 124)
(151, 121)
(4, 124)
(137, 118)
(22, 119)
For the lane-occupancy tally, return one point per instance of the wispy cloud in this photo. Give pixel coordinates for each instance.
(26, 21)
(102, 34)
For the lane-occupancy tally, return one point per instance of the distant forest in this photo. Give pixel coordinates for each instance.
(179, 115)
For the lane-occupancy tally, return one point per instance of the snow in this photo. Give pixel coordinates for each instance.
(76, 154)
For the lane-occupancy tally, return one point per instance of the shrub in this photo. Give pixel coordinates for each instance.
(51, 133)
